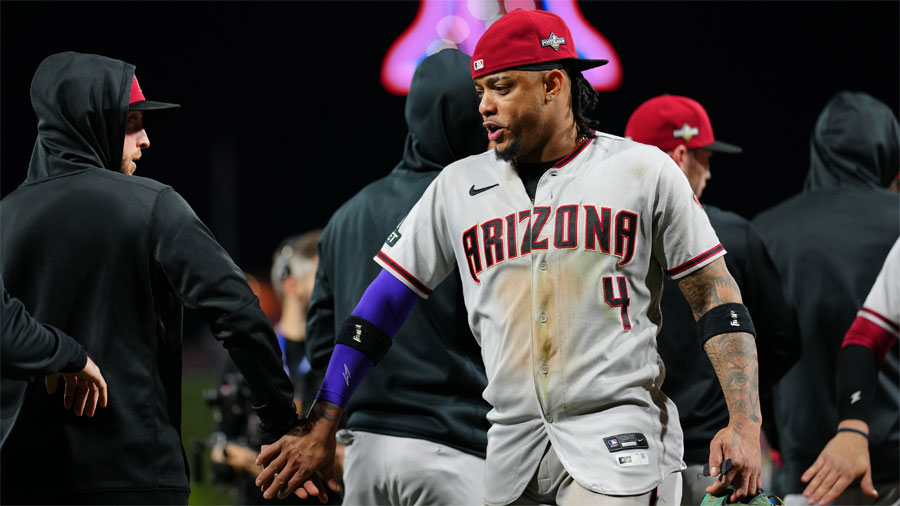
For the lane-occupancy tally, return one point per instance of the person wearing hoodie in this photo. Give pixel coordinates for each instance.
(828, 243)
(113, 258)
(681, 127)
(28, 349)
(416, 428)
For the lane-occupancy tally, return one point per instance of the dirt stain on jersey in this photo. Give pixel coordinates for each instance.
(514, 295)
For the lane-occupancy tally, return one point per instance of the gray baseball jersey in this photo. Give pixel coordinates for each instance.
(563, 296)
(882, 306)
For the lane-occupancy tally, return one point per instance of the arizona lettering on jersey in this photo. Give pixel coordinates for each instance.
(562, 294)
(496, 240)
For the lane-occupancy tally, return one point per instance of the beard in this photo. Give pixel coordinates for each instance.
(510, 153)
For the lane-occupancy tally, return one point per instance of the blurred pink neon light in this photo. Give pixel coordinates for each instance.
(441, 24)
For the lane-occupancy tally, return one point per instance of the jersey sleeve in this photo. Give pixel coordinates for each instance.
(683, 239)
(877, 324)
(419, 252)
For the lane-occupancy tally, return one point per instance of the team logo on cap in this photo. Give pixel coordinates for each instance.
(478, 64)
(686, 132)
(553, 41)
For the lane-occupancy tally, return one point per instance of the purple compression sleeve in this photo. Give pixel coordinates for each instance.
(386, 304)
(345, 372)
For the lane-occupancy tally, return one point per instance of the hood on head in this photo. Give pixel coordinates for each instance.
(856, 142)
(81, 103)
(442, 114)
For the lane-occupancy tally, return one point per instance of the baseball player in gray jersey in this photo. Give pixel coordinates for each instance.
(562, 237)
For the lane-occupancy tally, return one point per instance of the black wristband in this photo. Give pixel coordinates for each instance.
(724, 319)
(857, 375)
(849, 429)
(364, 336)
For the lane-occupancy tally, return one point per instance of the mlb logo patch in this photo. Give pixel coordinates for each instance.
(478, 64)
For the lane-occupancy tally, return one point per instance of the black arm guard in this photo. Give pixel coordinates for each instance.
(724, 319)
(857, 374)
(365, 336)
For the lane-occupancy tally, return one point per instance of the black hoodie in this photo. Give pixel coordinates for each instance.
(111, 259)
(29, 351)
(429, 385)
(828, 244)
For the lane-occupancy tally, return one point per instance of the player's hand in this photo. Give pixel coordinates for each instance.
(739, 441)
(302, 461)
(844, 459)
(84, 390)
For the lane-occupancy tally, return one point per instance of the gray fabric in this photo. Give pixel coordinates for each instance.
(552, 484)
(381, 469)
(694, 484)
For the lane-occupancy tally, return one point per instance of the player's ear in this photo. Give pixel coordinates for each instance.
(679, 154)
(554, 81)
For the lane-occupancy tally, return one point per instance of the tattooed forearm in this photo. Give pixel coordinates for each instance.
(709, 287)
(733, 355)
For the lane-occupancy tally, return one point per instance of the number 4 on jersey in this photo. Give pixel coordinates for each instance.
(621, 301)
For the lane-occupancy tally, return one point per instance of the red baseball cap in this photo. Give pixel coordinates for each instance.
(527, 40)
(669, 120)
(137, 102)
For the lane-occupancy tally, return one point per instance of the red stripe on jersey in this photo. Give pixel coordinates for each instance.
(696, 260)
(406, 275)
(866, 333)
(880, 317)
(578, 149)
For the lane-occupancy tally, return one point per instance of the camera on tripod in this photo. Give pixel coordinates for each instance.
(235, 430)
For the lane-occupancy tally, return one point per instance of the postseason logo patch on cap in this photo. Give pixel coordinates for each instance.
(553, 41)
(686, 132)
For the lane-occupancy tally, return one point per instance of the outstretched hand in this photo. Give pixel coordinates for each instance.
(85, 390)
(302, 461)
(739, 442)
(844, 459)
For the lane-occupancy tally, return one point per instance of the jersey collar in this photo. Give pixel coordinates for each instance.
(575, 152)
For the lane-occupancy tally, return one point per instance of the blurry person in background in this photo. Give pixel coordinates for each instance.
(293, 274)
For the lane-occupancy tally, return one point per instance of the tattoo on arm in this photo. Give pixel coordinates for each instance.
(733, 355)
(321, 409)
(325, 409)
(709, 287)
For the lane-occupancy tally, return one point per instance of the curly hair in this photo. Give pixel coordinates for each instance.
(584, 100)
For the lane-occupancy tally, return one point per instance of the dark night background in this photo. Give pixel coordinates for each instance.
(283, 114)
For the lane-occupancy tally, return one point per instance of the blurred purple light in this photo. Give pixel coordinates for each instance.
(441, 24)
